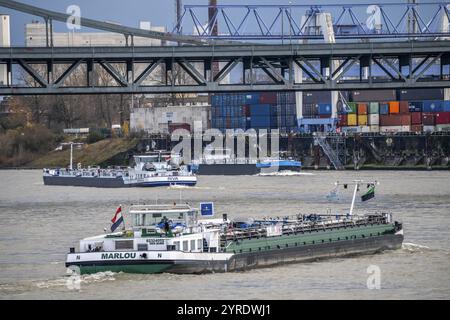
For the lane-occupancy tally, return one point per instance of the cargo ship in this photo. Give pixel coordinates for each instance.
(223, 163)
(150, 170)
(177, 239)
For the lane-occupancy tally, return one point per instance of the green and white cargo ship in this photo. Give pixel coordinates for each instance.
(177, 239)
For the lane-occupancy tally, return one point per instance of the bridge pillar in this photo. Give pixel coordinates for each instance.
(90, 73)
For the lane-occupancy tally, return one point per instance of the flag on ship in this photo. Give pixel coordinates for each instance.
(369, 194)
(117, 220)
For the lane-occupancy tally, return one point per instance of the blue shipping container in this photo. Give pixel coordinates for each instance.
(415, 106)
(252, 98)
(446, 106)
(324, 108)
(384, 108)
(260, 110)
(433, 106)
(260, 122)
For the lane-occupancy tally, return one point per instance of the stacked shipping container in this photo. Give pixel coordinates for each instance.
(379, 111)
(254, 110)
(369, 111)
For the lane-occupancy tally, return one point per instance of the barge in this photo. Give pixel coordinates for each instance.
(223, 163)
(177, 239)
(150, 170)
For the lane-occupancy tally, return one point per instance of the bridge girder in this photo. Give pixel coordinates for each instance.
(402, 65)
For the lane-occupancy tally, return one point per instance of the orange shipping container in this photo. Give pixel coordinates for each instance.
(362, 108)
(394, 107)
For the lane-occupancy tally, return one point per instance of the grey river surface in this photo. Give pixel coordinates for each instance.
(39, 223)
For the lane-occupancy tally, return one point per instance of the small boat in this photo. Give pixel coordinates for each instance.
(150, 170)
(186, 240)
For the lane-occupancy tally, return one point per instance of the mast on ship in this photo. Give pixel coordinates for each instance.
(356, 184)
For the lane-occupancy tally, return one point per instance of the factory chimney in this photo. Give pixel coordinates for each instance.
(212, 11)
(178, 9)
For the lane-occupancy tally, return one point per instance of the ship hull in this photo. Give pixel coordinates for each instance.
(308, 253)
(187, 263)
(241, 169)
(227, 169)
(117, 182)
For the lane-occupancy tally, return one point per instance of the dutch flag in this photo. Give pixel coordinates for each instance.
(117, 219)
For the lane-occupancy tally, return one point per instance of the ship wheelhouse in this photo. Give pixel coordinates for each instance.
(157, 228)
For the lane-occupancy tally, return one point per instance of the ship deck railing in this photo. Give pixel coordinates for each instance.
(88, 173)
(300, 226)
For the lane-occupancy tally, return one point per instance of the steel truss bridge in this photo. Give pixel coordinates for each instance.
(325, 66)
(283, 22)
(208, 61)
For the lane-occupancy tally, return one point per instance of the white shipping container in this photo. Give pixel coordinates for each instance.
(364, 129)
(406, 128)
(395, 128)
(374, 128)
(374, 119)
(350, 129)
(390, 128)
(429, 129)
(443, 127)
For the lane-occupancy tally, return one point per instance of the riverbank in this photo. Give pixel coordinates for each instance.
(115, 151)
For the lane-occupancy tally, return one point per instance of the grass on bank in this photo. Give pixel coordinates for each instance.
(88, 155)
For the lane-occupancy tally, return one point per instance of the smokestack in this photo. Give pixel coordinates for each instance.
(212, 10)
(178, 8)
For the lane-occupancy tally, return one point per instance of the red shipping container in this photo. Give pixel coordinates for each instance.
(228, 122)
(443, 118)
(342, 122)
(416, 128)
(428, 119)
(268, 98)
(390, 120)
(395, 120)
(362, 108)
(406, 119)
(246, 110)
(404, 107)
(416, 118)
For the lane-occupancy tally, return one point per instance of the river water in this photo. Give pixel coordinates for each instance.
(39, 223)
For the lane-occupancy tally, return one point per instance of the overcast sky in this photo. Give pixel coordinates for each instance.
(130, 12)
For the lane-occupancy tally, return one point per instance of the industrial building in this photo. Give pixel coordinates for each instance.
(163, 120)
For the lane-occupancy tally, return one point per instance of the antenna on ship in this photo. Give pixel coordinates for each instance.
(71, 144)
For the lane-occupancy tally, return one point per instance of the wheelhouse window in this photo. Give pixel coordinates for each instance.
(124, 244)
(192, 245)
(186, 245)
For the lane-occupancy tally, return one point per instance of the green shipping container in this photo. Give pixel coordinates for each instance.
(353, 106)
(374, 108)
